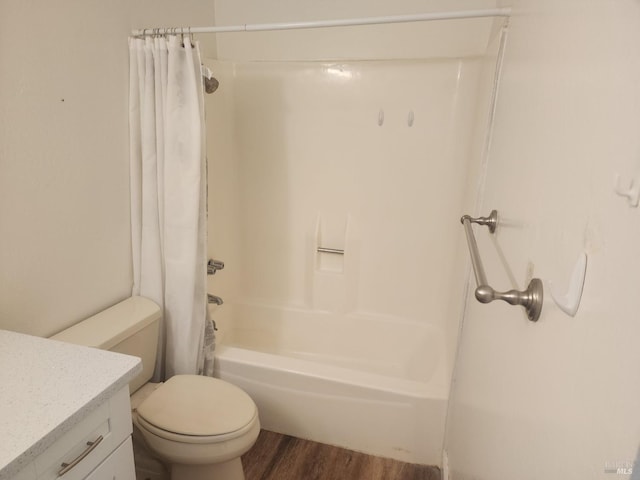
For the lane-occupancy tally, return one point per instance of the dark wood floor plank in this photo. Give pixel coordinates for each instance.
(281, 457)
(259, 460)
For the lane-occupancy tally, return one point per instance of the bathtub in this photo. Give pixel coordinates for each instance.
(368, 383)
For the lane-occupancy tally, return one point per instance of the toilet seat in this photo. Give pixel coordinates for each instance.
(197, 409)
(196, 439)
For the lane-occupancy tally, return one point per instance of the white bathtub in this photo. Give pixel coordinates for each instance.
(368, 383)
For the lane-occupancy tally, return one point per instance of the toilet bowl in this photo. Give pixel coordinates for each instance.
(198, 426)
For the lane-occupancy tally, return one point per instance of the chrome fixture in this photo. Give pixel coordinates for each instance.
(530, 299)
(214, 299)
(213, 266)
(209, 81)
(91, 446)
(262, 27)
(330, 250)
(211, 84)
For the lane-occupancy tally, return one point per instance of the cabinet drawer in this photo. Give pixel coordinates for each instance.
(117, 466)
(89, 442)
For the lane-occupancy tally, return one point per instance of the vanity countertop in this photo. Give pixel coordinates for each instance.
(47, 387)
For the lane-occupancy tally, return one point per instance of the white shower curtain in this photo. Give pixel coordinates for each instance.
(168, 194)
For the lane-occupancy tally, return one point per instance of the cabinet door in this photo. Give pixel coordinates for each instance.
(117, 466)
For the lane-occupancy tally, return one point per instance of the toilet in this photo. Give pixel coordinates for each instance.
(198, 426)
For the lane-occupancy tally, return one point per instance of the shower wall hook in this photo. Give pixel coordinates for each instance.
(631, 191)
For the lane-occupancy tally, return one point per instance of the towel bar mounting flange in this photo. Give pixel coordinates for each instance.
(530, 299)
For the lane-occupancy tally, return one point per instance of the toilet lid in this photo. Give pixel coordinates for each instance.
(197, 405)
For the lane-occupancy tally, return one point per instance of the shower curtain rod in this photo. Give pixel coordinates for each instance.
(261, 27)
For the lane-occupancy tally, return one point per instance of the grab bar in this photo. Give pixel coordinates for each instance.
(530, 299)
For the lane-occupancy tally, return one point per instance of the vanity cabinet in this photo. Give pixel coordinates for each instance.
(63, 406)
(97, 448)
(117, 466)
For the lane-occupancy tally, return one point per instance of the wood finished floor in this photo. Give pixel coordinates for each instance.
(281, 457)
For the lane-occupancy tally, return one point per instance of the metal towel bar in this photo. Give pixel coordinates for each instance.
(530, 299)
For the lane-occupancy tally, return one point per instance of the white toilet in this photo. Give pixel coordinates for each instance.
(200, 426)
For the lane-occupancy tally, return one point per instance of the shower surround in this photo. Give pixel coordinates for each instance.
(373, 161)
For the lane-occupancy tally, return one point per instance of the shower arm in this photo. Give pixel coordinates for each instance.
(530, 299)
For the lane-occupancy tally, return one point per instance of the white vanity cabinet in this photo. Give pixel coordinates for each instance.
(74, 414)
(117, 466)
(95, 448)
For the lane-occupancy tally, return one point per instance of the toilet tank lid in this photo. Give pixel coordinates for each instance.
(106, 329)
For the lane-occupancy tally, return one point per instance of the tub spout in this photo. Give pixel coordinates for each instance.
(214, 299)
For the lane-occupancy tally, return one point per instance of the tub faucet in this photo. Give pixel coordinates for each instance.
(214, 299)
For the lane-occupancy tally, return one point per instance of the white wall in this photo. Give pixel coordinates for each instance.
(64, 175)
(443, 39)
(309, 150)
(557, 399)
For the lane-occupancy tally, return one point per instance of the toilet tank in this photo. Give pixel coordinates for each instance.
(130, 327)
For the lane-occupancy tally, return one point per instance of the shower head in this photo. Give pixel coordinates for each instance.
(210, 82)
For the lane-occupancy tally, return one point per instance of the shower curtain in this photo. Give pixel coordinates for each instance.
(168, 194)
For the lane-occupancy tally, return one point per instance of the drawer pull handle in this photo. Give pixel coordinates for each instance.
(90, 446)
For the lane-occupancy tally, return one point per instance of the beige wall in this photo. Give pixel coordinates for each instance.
(64, 175)
(443, 39)
(557, 399)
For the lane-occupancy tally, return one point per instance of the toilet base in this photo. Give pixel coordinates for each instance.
(230, 470)
(148, 466)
